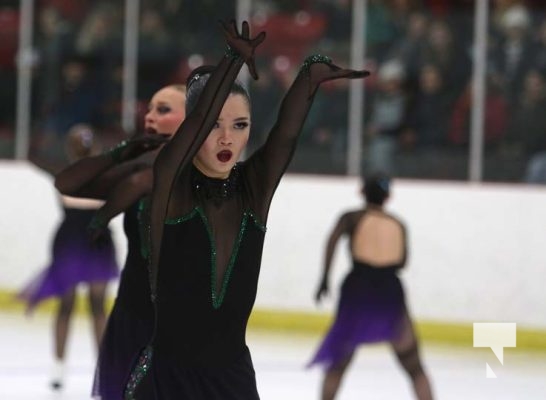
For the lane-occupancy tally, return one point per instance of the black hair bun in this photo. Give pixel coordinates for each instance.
(377, 187)
(199, 72)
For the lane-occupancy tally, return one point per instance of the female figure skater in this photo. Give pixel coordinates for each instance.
(130, 324)
(371, 307)
(75, 260)
(208, 216)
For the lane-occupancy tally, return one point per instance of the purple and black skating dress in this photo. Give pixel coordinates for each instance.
(371, 307)
(75, 259)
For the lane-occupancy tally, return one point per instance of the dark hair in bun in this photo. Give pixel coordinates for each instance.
(376, 188)
(196, 83)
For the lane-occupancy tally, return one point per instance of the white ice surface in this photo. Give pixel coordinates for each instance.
(455, 373)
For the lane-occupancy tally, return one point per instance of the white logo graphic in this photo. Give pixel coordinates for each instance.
(496, 335)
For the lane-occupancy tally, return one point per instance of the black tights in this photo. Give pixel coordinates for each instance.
(333, 378)
(406, 349)
(97, 293)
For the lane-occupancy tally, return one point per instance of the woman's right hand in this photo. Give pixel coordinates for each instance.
(97, 232)
(141, 144)
(322, 290)
(242, 43)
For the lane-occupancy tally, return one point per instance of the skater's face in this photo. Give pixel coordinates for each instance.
(227, 140)
(166, 111)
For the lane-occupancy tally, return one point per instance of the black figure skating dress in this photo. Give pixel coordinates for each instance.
(207, 237)
(130, 324)
(200, 350)
(371, 305)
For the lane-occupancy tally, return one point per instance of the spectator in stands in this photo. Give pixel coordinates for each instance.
(381, 31)
(496, 115)
(157, 53)
(78, 100)
(387, 118)
(513, 56)
(526, 135)
(328, 125)
(539, 49)
(410, 46)
(100, 36)
(54, 41)
(429, 113)
(448, 55)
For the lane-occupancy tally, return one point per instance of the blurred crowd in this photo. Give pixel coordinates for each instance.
(417, 103)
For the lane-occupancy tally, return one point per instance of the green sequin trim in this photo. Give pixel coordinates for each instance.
(259, 224)
(314, 59)
(139, 372)
(231, 53)
(144, 228)
(183, 218)
(144, 231)
(115, 152)
(218, 299)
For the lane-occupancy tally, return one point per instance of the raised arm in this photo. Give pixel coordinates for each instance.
(340, 228)
(122, 196)
(191, 134)
(273, 158)
(95, 176)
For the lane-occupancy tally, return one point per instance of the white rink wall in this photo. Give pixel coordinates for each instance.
(30, 212)
(477, 252)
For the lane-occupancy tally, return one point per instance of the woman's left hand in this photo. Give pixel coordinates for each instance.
(322, 72)
(322, 291)
(243, 44)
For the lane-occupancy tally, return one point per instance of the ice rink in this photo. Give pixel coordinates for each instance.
(456, 373)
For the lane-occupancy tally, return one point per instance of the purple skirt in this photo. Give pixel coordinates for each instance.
(74, 260)
(371, 309)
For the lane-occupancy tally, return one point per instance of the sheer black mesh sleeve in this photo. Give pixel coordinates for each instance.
(267, 165)
(344, 225)
(179, 152)
(94, 177)
(124, 195)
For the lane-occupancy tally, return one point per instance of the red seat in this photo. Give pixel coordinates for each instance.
(9, 36)
(74, 11)
(293, 33)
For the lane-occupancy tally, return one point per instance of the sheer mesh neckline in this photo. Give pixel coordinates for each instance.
(214, 188)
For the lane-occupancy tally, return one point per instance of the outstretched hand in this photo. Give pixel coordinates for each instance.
(322, 72)
(326, 71)
(242, 43)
